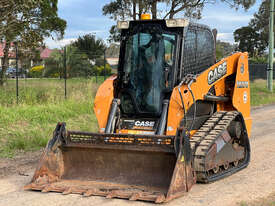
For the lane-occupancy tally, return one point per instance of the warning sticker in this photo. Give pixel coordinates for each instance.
(245, 97)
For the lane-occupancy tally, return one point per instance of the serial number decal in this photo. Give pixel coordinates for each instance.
(242, 84)
(217, 73)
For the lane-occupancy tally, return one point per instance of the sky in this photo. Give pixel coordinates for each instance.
(85, 16)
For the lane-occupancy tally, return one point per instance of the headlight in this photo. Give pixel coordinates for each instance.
(177, 22)
(123, 24)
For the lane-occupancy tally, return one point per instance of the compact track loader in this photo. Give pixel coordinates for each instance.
(171, 117)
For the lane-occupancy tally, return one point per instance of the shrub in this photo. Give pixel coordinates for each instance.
(99, 70)
(36, 71)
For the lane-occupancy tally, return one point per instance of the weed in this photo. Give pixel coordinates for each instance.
(243, 203)
(29, 125)
(260, 94)
(264, 201)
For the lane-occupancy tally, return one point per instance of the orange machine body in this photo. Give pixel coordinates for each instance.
(103, 100)
(173, 116)
(235, 66)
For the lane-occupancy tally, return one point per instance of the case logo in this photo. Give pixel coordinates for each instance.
(144, 123)
(217, 73)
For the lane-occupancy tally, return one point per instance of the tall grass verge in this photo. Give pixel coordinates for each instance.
(29, 125)
(260, 95)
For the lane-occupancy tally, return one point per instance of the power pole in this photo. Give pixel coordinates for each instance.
(16, 65)
(65, 71)
(271, 48)
(104, 64)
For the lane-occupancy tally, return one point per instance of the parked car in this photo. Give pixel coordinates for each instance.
(10, 72)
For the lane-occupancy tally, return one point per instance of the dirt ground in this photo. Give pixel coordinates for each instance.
(255, 182)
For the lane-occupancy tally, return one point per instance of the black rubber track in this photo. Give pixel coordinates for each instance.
(209, 126)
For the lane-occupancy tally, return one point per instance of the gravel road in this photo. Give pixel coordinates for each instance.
(256, 181)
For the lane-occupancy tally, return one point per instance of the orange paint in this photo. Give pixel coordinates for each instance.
(236, 64)
(103, 101)
(201, 88)
(241, 95)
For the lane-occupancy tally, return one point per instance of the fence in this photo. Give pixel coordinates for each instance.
(258, 71)
(67, 63)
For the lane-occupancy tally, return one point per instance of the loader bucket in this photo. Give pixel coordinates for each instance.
(134, 167)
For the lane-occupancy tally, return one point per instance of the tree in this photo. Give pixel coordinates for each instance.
(259, 28)
(77, 63)
(78, 59)
(260, 23)
(124, 9)
(127, 9)
(91, 46)
(193, 8)
(114, 35)
(224, 49)
(54, 65)
(101, 70)
(248, 39)
(28, 23)
(119, 9)
(26, 57)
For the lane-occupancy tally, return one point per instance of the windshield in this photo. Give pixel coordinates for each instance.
(149, 59)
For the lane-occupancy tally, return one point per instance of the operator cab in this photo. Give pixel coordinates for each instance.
(148, 66)
(154, 56)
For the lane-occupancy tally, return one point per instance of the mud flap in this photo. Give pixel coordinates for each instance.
(134, 167)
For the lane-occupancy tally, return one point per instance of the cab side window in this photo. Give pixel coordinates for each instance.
(205, 49)
(190, 47)
(198, 51)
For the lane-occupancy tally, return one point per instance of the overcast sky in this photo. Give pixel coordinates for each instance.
(84, 17)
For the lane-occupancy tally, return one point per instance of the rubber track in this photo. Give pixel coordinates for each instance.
(204, 138)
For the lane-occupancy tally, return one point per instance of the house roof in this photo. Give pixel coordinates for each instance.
(11, 53)
(45, 53)
(1, 50)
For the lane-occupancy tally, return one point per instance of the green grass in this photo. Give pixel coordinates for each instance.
(242, 203)
(29, 125)
(260, 94)
(266, 201)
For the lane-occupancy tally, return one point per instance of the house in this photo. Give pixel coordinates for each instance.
(113, 61)
(11, 54)
(44, 54)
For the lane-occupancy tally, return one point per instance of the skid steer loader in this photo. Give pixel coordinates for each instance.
(171, 117)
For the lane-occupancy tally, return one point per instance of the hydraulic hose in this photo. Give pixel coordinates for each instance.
(178, 142)
(184, 111)
(195, 107)
(184, 118)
